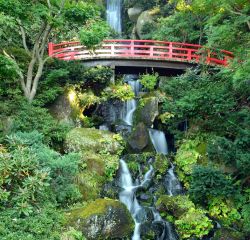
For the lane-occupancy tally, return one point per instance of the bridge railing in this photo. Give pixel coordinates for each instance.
(141, 49)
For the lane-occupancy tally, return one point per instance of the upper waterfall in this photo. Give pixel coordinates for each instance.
(114, 12)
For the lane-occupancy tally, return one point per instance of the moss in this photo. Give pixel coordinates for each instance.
(84, 139)
(98, 207)
(161, 164)
(90, 184)
(102, 219)
(175, 205)
(94, 163)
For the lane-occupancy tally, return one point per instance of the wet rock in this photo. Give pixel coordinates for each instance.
(134, 13)
(174, 205)
(91, 139)
(139, 138)
(102, 219)
(148, 112)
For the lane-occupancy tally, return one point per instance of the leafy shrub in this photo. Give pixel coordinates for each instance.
(23, 181)
(187, 156)
(44, 169)
(30, 118)
(149, 81)
(194, 223)
(93, 33)
(209, 182)
(222, 150)
(223, 210)
(122, 92)
(97, 78)
(45, 223)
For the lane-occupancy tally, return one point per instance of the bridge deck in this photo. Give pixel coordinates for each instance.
(145, 50)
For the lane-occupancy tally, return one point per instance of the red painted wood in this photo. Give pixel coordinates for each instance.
(145, 49)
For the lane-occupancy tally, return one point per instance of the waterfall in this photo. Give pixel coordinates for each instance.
(172, 183)
(159, 141)
(130, 105)
(127, 196)
(114, 11)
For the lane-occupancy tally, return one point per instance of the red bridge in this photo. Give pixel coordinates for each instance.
(157, 52)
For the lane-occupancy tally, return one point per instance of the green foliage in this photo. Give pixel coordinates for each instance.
(149, 81)
(121, 92)
(40, 163)
(93, 33)
(96, 78)
(30, 118)
(193, 224)
(80, 12)
(223, 210)
(23, 183)
(188, 155)
(45, 223)
(187, 28)
(209, 182)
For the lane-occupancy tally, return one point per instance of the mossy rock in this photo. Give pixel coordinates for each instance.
(102, 219)
(175, 205)
(228, 234)
(161, 164)
(147, 110)
(94, 162)
(91, 139)
(90, 184)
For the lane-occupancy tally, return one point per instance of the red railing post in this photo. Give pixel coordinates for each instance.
(170, 50)
(151, 53)
(132, 47)
(50, 46)
(189, 56)
(112, 50)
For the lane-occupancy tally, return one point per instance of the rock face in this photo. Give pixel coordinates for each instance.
(100, 158)
(139, 138)
(148, 112)
(62, 110)
(102, 219)
(91, 139)
(145, 18)
(134, 13)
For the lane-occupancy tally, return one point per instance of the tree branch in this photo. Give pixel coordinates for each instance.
(23, 36)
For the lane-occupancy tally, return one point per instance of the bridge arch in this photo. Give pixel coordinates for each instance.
(120, 53)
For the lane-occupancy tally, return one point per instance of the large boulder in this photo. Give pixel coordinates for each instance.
(148, 111)
(139, 138)
(61, 109)
(102, 219)
(134, 13)
(91, 139)
(144, 19)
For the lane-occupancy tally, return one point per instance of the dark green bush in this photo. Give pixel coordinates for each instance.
(97, 78)
(209, 182)
(30, 118)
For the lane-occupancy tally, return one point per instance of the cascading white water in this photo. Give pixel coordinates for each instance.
(130, 105)
(127, 195)
(168, 232)
(160, 144)
(172, 183)
(114, 11)
(159, 141)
